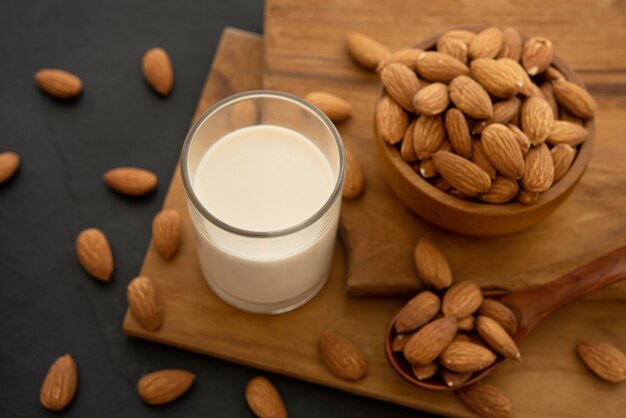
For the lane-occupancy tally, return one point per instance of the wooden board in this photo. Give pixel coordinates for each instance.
(545, 384)
(305, 50)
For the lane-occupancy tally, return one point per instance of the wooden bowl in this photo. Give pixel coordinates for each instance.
(474, 218)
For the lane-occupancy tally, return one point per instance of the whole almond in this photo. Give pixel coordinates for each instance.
(342, 357)
(539, 169)
(59, 83)
(442, 185)
(526, 197)
(431, 265)
(458, 132)
(605, 360)
(428, 135)
(462, 337)
(167, 232)
(365, 50)
(462, 35)
(461, 300)
(548, 94)
(130, 181)
(537, 55)
(406, 57)
(432, 100)
(59, 386)
(144, 303)
(574, 98)
(552, 73)
(480, 159)
(568, 133)
(497, 338)
(486, 44)
(535, 91)
(496, 77)
(486, 400)
(158, 71)
(401, 83)
(439, 67)
(562, 156)
(503, 190)
(454, 47)
(429, 342)
(425, 372)
(466, 323)
(391, 120)
(264, 400)
(427, 168)
(418, 311)
(503, 112)
(523, 79)
(399, 342)
(511, 44)
(502, 150)
(461, 173)
(164, 386)
(454, 379)
(537, 119)
(333, 106)
(566, 116)
(500, 313)
(9, 163)
(464, 357)
(470, 97)
(521, 138)
(94, 254)
(406, 148)
(354, 182)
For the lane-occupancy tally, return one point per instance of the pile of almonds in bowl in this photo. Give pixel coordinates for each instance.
(484, 116)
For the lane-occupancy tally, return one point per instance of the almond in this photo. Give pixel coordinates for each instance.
(264, 400)
(59, 386)
(354, 182)
(427, 169)
(521, 138)
(94, 254)
(454, 379)
(164, 386)
(425, 372)
(486, 400)
(466, 323)
(523, 80)
(406, 148)
(9, 163)
(568, 117)
(462, 174)
(428, 135)
(496, 77)
(574, 98)
(539, 169)
(399, 342)
(502, 150)
(503, 190)
(401, 84)
(569, 133)
(431, 100)
(538, 54)
(562, 156)
(130, 181)
(454, 47)
(605, 360)
(486, 44)
(462, 35)
(391, 120)
(333, 106)
(144, 303)
(511, 44)
(458, 132)
(500, 313)
(157, 70)
(59, 83)
(526, 197)
(461, 300)
(497, 338)
(429, 342)
(480, 159)
(365, 50)
(440, 67)
(442, 185)
(462, 337)
(417, 312)
(464, 357)
(503, 112)
(431, 265)
(552, 74)
(341, 357)
(167, 232)
(470, 97)
(548, 94)
(406, 57)
(536, 119)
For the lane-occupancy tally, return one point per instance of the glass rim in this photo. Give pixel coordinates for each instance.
(252, 94)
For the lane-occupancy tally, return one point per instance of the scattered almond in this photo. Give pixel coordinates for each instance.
(94, 254)
(144, 303)
(59, 386)
(167, 232)
(486, 400)
(538, 54)
(391, 120)
(497, 338)
(164, 386)
(365, 50)
(429, 342)
(431, 265)
(500, 313)
(264, 400)
(539, 169)
(562, 156)
(59, 83)
(354, 182)
(461, 300)
(462, 174)
(464, 357)
(333, 106)
(130, 181)
(158, 71)
(605, 360)
(342, 357)
(486, 44)
(9, 163)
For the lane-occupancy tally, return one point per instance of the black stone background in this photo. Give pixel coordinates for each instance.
(48, 305)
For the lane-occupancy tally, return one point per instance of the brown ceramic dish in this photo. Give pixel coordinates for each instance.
(474, 218)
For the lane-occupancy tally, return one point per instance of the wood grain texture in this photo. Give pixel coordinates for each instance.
(545, 384)
(305, 50)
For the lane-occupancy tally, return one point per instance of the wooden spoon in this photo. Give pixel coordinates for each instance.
(531, 306)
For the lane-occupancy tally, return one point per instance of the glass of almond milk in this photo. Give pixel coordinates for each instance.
(263, 173)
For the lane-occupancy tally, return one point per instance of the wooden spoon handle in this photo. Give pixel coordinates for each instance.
(535, 303)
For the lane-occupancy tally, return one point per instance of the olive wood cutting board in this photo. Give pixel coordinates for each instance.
(550, 381)
(305, 50)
